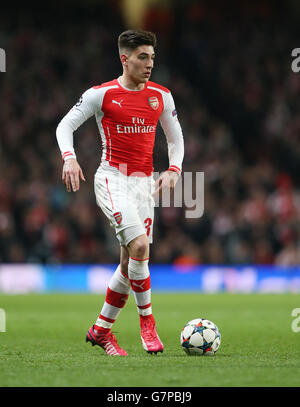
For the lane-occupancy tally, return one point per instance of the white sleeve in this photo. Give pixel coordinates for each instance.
(173, 133)
(87, 106)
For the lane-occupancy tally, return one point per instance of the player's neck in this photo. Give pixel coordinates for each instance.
(128, 83)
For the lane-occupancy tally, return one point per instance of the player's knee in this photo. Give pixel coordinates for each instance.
(139, 247)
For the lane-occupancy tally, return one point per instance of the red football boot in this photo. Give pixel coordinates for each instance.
(150, 339)
(106, 341)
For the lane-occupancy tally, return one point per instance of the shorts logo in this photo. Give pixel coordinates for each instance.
(118, 217)
(153, 102)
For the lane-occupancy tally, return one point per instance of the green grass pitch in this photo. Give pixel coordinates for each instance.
(44, 343)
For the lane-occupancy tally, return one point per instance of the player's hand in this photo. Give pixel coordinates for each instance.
(72, 174)
(167, 180)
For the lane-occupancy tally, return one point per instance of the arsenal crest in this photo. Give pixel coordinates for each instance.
(118, 217)
(153, 102)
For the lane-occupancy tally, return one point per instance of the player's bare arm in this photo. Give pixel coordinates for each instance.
(72, 174)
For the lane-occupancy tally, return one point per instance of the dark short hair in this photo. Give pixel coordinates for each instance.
(131, 39)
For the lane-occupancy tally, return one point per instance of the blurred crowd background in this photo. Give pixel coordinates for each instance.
(228, 65)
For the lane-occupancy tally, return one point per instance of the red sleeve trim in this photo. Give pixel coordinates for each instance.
(66, 154)
(175, 169)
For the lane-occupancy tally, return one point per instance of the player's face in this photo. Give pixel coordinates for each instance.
(140, 63)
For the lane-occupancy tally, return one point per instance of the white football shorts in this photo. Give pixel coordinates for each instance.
(127, 202)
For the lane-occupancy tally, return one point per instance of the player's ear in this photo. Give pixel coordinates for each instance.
(123, 58)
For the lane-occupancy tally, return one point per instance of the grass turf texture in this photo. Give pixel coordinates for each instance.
(44, 343)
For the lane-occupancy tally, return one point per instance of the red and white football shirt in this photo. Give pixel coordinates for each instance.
(127, 121)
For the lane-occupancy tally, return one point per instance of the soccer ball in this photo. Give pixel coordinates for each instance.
(200, 337)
